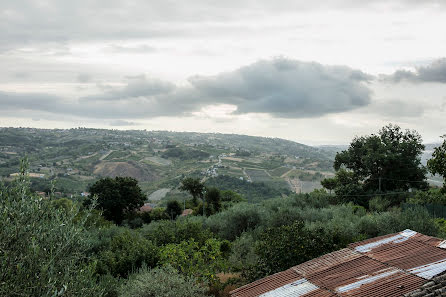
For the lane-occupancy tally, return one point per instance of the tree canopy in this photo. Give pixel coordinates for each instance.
(437, 164)
(117, 197)
(389, 161)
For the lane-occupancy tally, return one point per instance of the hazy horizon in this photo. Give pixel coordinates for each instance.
(315, 74)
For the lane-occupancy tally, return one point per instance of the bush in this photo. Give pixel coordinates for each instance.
(185, 228)
(233, 222)
(192, 259)
(379, 204)
(42, 248)
(125, 253)
(286, 246)
(163, 281)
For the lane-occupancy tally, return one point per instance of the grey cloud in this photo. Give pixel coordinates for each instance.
(139, 86)
(84, 78)
(434, 72)
(288, 88)
(119, 123)
(140, 49)
(24, 22)
(280, 87)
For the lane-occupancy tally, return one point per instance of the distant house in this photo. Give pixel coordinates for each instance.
(187, 212)
(42, 194)
(406, 264)
(85, 194)
(147, 207)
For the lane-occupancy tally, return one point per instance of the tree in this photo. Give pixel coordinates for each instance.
(43, 249)
(213, 200)
(387, 162)
(282, 247)
(117, 197)
(329, 183)
(173, 209)
(194, 187)
(437, 164)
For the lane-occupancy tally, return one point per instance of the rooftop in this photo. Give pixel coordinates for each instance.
(401, 264)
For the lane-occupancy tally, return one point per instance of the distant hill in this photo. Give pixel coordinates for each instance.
(76, 158)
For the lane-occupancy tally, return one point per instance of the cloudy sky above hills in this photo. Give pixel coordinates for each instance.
(315, 72)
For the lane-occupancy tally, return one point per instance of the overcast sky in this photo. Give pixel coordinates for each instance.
(317, 72)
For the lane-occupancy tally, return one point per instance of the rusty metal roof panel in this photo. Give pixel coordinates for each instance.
(385, 266)
(385, 283)
(416, 257)
(299, 288)
(326, 261)
(267, 284)
(345, 273)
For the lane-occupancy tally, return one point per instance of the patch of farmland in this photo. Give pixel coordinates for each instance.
(159, 194)
(257, 175)
(309, 186)
(159, 161)
(279, 171)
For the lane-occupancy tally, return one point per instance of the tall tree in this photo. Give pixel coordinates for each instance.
(117, 197)
(437, 164)
(173, 209)
(194, 187)
(388, 161)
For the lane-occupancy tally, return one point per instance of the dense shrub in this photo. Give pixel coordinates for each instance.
(201, 261)
(162, 281)
(126, 252)
(433, 196)
(282, 247)
(42, 248)
(165, 232)
(233, 222)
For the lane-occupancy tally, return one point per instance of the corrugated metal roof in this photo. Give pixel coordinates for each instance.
(391, 265)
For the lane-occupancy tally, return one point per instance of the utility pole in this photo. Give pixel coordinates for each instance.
(379, 184)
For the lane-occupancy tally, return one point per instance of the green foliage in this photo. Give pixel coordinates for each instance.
(283, 247)
(166, 232)
(126, 252)
(163, 281)
(392, 155)
(379, 204)
(173, 209)
(192, 259)
(236, 220)
(194, 187)
(387, 162)
(433, 196)
(437, 164)
(117, 197)
(253, 192)
(213, 200)
(42, 248)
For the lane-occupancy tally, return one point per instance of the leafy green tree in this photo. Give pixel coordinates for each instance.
(283, 247)
(126, 252)
(437, 164)
(329, 183)
(162, 281)
(194, 187)
(213, 200)
(386, 162)
(117, 197)
(192, 259)
(173, 209)
(43, 249)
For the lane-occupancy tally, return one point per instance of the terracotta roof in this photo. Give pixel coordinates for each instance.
(145, 208)
(401, 264)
